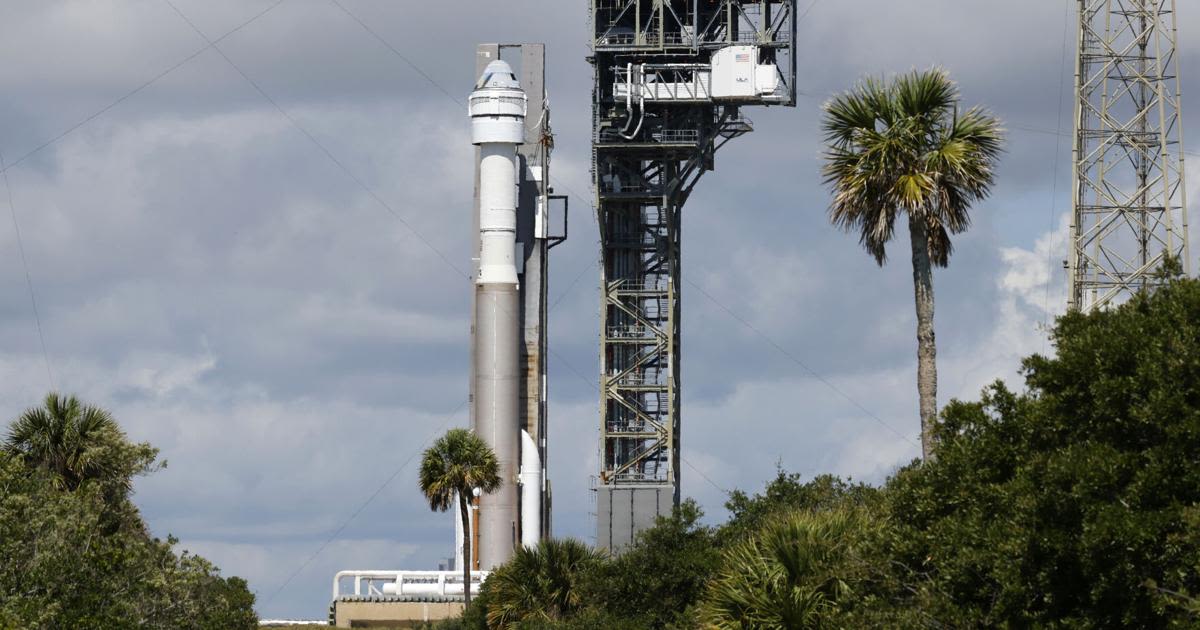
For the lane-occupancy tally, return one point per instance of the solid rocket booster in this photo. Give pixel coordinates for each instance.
(497, 107)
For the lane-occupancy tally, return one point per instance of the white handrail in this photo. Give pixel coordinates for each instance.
(413, 583)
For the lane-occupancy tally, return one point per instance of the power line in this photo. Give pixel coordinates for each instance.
(143, 86)
(396, 52)
(437, 85)
(800, 18)
(386, 482)
(800, 363)
(1068, 134)
(429, 78)
(37, 318)
(570, 286)
(1062, 86)
(597, 388)
(341, 165)
(361, 184)
(702, 475)
(1016, 126)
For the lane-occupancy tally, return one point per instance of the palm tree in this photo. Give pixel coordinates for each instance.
(904, 148)
(77, 443)
(793, 574)
(539, 584)
(456, 465)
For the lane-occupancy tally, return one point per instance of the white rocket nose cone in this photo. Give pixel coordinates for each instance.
(498, 74)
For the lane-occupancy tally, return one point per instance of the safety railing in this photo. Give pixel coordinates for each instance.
(435, 584)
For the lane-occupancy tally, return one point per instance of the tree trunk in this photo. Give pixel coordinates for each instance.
(466, 525)
(926, 348)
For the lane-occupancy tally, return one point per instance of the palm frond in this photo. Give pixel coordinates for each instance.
(792, 575)
(904, 148)
(77, 443)
(457, 463)
(539, 583)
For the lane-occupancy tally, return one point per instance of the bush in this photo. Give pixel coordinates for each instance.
(657, 579)
(796, 572)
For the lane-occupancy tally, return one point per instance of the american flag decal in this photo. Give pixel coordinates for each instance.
(742, 58)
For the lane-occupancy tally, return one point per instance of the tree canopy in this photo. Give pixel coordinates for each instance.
(74, 550)
(1072, 503)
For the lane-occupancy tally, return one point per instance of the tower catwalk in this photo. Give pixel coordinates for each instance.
(671, 79)
(1130, 205)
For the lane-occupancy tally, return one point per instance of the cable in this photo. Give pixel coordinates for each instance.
(37, 318)
(1066, 134)
(433, 82)
(704, 476)
(570, 286)
(800, 18)
(364, 504)
(1018, 127)
(1062, 86)
(361, 184)
(396, 52)
(597, 388)
(425, 75)
(392, 211)
(143, 86)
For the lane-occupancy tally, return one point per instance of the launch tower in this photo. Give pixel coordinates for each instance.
(672, 78)
(1130, 206)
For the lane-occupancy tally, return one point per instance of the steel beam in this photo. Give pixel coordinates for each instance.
(656, 128)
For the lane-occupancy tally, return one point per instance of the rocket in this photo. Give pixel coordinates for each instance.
(512, 514)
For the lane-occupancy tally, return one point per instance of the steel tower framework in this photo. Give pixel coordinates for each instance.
(664, 102)
(1130, 206)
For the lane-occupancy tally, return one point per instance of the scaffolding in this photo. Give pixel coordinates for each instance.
(1130, 207)
(671, 78)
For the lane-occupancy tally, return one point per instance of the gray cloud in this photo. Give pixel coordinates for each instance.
(210, 275)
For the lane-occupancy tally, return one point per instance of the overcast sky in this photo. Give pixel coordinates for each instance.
(280, 321)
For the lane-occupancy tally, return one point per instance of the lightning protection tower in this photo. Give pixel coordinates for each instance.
(1130, 206)
(672, 78)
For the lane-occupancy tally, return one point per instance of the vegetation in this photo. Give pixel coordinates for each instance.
(455, 466)
(540, 584)
(74, 551)
(905, 149)
(793, 574)
(1074, 503)
(657, 581)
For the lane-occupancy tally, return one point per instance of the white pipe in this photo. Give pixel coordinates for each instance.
(406, 582)
(531, 492)
(458, 534)
(629, 99)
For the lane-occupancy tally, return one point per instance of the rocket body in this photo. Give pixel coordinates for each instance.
(497, 108)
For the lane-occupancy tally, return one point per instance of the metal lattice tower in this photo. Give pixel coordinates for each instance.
(1130, 206)
(672, 77)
